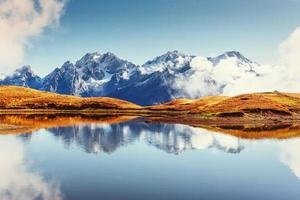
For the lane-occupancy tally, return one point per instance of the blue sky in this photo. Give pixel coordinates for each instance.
(139, 30)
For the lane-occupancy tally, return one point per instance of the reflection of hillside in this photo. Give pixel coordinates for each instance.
(26, 123)
(284, 131)
(170, 138)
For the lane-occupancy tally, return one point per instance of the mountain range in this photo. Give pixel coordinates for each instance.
(159, 80)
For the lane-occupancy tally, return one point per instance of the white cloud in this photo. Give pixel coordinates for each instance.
(290, 54)
(197, 82)
(201, 64)
(290, 155)
(20, 20)
(249, 82)
(235, 78)
(227, 71)
(283, 77)
(17, 181)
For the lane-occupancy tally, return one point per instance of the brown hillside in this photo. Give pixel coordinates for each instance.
(269, 103)
(14, 97)
(189, 104)
(258, 103)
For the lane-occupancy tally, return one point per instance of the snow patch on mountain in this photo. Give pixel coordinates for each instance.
(173, 61)
(23, 76)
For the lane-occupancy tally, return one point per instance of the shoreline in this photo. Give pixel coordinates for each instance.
(24, 121)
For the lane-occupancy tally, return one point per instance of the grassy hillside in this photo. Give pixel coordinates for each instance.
(269, 103)
(14, 97)
(189, 104)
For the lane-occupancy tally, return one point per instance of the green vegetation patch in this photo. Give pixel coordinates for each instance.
(283, 100)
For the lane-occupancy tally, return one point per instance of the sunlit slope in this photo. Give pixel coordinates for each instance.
(256, 103)
(189, 104)
(269, 103)
(14, 97)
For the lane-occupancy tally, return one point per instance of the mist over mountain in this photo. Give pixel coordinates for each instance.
(23, 76)
(166, 77)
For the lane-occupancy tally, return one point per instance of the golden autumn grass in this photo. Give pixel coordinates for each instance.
(14, 97)
(21, 98)
(188, 104)
(264, 101)
(269, 103)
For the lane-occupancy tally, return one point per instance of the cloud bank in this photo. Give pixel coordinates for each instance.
(21, 20)
(233, 78)
(284, 76)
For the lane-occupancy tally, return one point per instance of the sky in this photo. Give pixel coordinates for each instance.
(138, 30)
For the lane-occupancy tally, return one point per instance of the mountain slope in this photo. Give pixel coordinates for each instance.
(89, 76)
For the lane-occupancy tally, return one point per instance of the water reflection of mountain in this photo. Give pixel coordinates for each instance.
(175, 139)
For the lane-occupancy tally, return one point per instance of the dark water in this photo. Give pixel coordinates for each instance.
(135, 160)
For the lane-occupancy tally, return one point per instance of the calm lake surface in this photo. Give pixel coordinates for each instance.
(136, 160)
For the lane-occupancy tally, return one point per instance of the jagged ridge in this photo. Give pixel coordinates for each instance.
(155, 82)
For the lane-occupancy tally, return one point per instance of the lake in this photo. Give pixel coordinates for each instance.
(138, 160)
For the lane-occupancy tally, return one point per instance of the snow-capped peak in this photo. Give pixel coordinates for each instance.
(67, 64)
(236, 54)
(172, 61)
(230, 55)
(95, 59)
(89, 57)
(169, 56)
(23, 71)
(109, 55)
(25, 68)
(23, 76)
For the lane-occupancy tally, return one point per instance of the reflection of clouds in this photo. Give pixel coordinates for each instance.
(290, 155)
(16, 181)
(179, 138)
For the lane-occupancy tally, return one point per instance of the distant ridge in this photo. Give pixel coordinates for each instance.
(155, 82)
